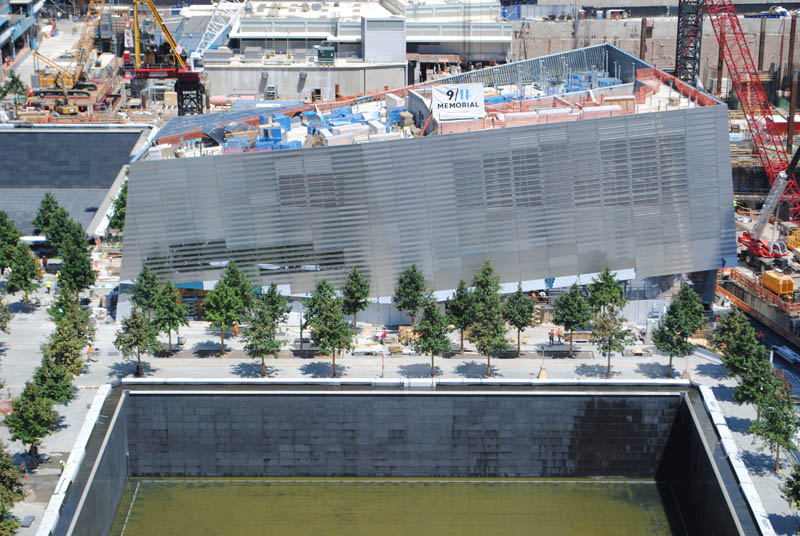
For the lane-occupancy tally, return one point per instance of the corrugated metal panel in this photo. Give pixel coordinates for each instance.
(649, 192)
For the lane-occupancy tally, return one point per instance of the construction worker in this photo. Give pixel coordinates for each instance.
(559, 333)
(47, 285)
(550, 335)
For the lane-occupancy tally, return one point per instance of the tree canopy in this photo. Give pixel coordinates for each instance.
(170, 315)
(235, 279)
(120, 204)
(683, 318)
(354, 293)
(76, 272)
(222, 307)
(145, 291)
(5, 316)
(431, 331)
(261, 338)
(572, 311)
(9, 237)
(488, 329)
(24, 275)
(67, 309)
(777, 423)
(33, 417)
(460, 310)
(65, 347)
(608, 333)
(137, 336)
(409, 293)
(518, 311)
(55, 380)
(736, 341)
(605, 291)
(330, 330)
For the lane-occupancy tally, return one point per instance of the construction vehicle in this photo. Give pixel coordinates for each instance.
(65, 108)
(151, 60)
(790, 234)
(779, 284)
(70, 81)
(758, 253)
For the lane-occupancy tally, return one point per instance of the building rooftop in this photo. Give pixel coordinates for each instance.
(590, 83)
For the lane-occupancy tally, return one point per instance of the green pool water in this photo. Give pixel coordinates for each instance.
(388, 507)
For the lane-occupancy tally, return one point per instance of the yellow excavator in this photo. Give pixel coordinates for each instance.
(58, 81)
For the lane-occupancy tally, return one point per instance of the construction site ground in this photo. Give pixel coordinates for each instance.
(51, 47)
(197, 358)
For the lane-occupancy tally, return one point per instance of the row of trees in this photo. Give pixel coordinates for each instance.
(758, 382)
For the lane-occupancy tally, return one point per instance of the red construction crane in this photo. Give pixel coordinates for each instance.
(752, 98)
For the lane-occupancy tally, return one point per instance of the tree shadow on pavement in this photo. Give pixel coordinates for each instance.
(596, 371)
(784, 524)
(738, 424)
(759, 463)
(3, 348)
(319, 369)
(123, 369)
(252, 369)
(723, 393)
(712, 370)
(419, 370)
(654, 370)
(474, 369)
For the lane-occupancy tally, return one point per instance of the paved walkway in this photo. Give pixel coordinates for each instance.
(20, 354)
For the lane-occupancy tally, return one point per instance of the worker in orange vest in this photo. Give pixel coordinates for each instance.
(559, 334)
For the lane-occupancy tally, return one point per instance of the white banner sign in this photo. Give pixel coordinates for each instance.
(463, 101)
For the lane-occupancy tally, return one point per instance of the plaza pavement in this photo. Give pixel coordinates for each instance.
(19, 355)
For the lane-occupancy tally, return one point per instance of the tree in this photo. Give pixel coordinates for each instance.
(572, 311)
(5, 316)
(736, 340)
(222, 307)
(518, 311)
(65, 347)
(431, 331)
(758, 384)
(792, 487)
(261, 336)
(24, 276)
(48, 206)
(235, 279)
(145, 291)
(9, 237)
(608, 333)
(409, 293)
(120, 203)
(33, 418)
(13, 86)
(605, 291)
(55, 380)
(67, 309)
(354, 294)
(59, 228)
(778, 423)
(460, 311)
(76, 272)
(683, 318)
(137, 335)
(170, 314)
(488, 329)
(330, 330)
(10, 490)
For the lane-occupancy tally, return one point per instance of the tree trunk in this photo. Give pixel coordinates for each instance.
(169, 334)
(412, 322)
(518, 346)
(333, 368)
(432, 368)
(608, 367)
(301, 335)
(758, 412)
(355, 316)
(488, 365)
(263, 367)
(34, 452)
(570, 343)
(138, 363)
(27, 304)
(221, 341)
(669, 369)
(462, 341)
(777, 457)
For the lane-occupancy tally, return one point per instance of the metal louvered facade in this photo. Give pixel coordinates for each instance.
(650, 192)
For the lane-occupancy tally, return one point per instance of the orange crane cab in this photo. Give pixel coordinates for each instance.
(150, 60)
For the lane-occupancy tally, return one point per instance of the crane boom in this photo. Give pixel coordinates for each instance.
(226, 12)
(86, 42)
(753, 99)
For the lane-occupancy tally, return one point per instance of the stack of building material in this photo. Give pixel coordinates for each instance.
(393, 102)
(376, 127)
